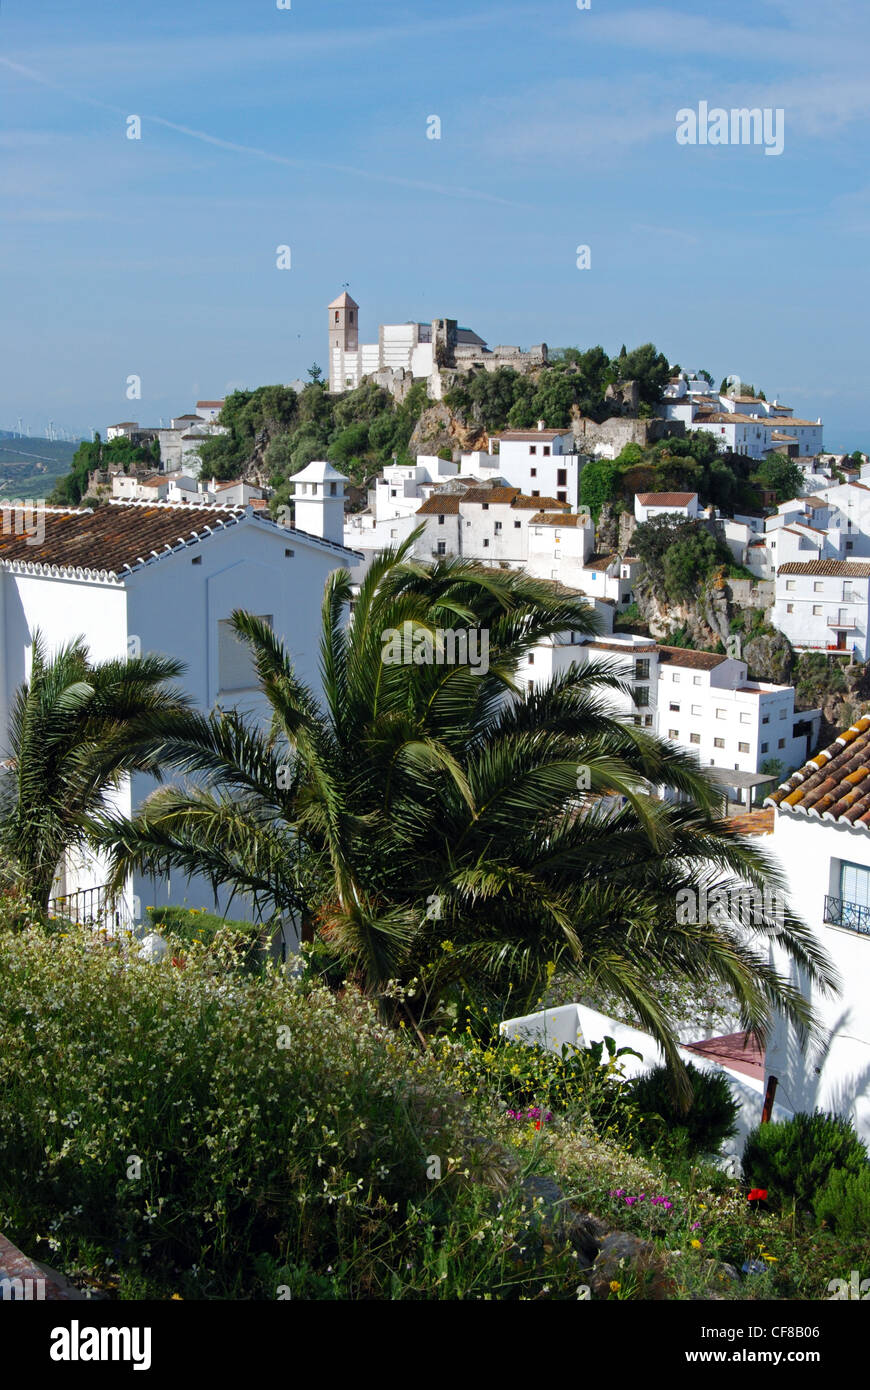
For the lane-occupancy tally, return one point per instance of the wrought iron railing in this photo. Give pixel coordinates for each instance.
(840, 913)
(92, 907)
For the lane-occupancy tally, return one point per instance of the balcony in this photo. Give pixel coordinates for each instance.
(840, 625)
(839, 913)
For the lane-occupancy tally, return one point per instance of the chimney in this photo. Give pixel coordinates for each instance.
(541, 425)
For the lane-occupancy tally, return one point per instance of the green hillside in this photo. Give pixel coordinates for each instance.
(31, 467)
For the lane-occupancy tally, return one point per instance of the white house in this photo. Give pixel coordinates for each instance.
(648, 505)
(821, 840)
(707, 704)
(540, 462)
(143, 577)
(319, 500)
(824, 605)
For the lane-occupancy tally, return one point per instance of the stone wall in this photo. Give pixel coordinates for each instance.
(610, 437)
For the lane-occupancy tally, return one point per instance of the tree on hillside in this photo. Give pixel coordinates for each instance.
(648, 367)
(678, 554)
(599, 483)
(446, 827)
(783, 475)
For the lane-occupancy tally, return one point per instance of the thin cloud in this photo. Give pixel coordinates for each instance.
(234, 147)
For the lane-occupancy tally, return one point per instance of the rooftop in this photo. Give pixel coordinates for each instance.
(695, 661)
(834, 785)
(666, 499)
(522, 435)
(442, 504)
(834, 569)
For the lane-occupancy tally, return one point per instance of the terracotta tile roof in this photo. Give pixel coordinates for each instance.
(532, 435)
(600, 560)
(815, 504)
(491, 494)
(554, 519)
(753, 822)
(117, 536)
(834, 569)
(695, 661)
(439, 506)
(834, 784)
(536, 504)
(212, 403)
(665, 499)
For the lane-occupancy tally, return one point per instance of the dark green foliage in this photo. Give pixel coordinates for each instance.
(710, 1119)
(794, 1158)
(599, 482)
(783, 475)
(844, 1202)
(679, 555)
(815, 677)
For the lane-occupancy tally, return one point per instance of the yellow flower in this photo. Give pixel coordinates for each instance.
(696, 1245)
(615, 1286)
(178, 1296)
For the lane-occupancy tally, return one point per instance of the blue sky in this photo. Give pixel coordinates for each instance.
(307, 127)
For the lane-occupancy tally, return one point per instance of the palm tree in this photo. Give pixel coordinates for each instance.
(429, 815)
(75, 732)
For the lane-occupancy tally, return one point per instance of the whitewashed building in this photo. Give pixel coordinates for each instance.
(821, 840)
(540, 462)
(162, 578)
(648, 505)
(824, 605)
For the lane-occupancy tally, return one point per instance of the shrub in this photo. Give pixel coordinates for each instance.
(284, 1137)
(796, 1157)
(704, 1127)
(844, 1202)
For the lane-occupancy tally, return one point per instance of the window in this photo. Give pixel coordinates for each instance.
(675, 675)
(536, 492)
(288, 554)
(641, 695)
(533, 448)
(789, 584)
(561, 477)
(673, 733)
(647, 721)
(497, 527)
(235, 663)
(764, 747)
(783, 713)
(818, 586)
(547, 449)
(442, 548)
(518, 524)
(696, 680)
(675, 707)
(694, 738)
(393, 534)
(641, 670)
(561, 497)
(484, 506)
(721, 714)
(394, 492)
(486, 543)
(789, 608)
(765, 719)
(336, 316)
(531, 658)
(850, 545)
(718, 743)
(781, 743)
(743, 748)
(817, 610)
(533, 472)
(746, 719)
(854, 885)
(440, 521)
(197, 560)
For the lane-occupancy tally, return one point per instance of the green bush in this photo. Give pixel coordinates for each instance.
(794, 1158)
(283, 1137)
(844, 1202)
(703, 1128)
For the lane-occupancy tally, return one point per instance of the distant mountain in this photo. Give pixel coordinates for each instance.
(30, 467)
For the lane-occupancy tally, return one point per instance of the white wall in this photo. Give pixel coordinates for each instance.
(835, 1074)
